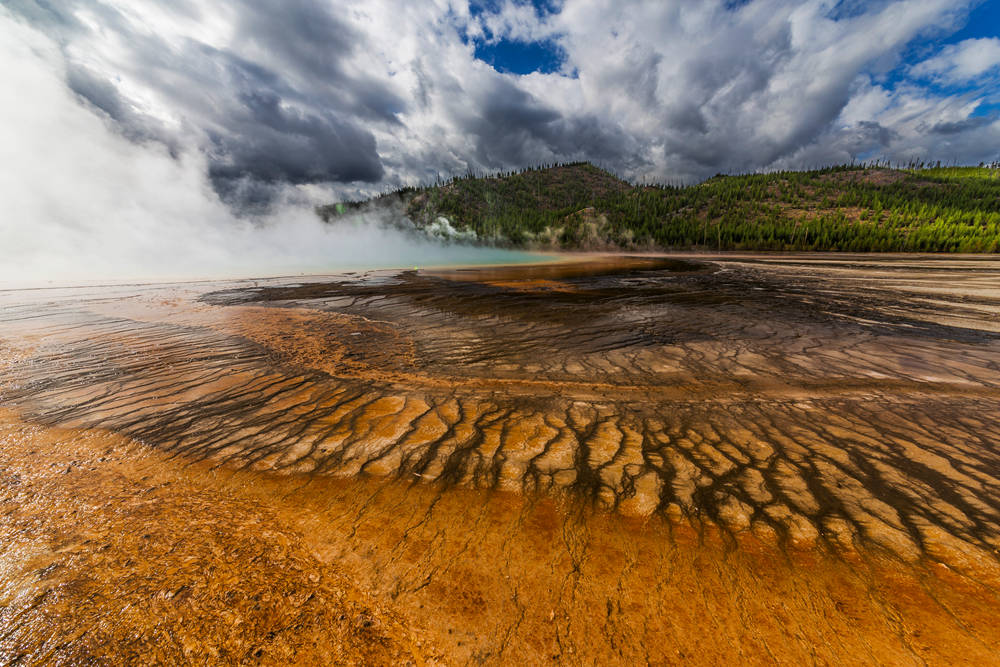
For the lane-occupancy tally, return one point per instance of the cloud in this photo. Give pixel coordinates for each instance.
(360, 96)
(267, 97)
(143, 138)
(962, 62)
(709, 88)
(82, 201)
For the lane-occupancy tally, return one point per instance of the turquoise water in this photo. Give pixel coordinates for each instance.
(430, 257)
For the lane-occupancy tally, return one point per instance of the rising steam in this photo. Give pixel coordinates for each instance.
(80, 202)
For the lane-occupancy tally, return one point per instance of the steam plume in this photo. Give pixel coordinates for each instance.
(84, 203)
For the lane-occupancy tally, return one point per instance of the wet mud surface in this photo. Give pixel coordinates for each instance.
(669, 460)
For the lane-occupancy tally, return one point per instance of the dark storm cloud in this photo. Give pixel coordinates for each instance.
(706, 125)
(364, 95)
(102, 96)
(961, 126)
(513, 128)
(509, 126)
(300, 33)
(305, 41)
(711, 126)
(687, 117)
(304, 125)
(862, 140)
(271, 143)
(869, 133)
(735, 86)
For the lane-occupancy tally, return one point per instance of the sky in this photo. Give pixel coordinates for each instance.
(201, 114)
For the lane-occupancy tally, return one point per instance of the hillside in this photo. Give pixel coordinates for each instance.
(849, 208)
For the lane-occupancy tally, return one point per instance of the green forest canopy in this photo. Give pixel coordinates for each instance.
(845, 208)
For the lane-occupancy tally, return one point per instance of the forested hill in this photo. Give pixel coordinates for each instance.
(579, 206)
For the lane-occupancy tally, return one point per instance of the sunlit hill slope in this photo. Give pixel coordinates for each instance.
(579, 206)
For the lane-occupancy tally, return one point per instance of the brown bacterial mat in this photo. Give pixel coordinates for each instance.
(615, 460)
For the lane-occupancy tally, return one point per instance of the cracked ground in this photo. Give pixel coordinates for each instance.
(610, 460)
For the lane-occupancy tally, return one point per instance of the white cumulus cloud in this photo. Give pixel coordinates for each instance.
(962, 62)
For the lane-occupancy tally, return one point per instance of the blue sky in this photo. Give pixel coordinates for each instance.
(512, 55)
(908, 68)
(546, 56)
(982, 22)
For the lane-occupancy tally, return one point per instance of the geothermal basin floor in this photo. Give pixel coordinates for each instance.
(663, 459)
